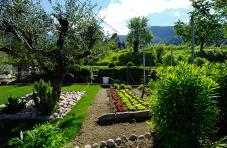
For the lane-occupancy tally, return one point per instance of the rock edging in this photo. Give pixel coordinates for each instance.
(120, 117)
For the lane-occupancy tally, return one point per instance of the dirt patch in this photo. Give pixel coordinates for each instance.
(93, 133)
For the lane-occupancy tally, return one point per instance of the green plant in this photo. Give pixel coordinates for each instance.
(168, 60)
(116, 86)
(14, 105)
(45, 99)
(111, 65)
(130, 64)
(42, 136)
(200, 61)
(183, 106)
(222, 143)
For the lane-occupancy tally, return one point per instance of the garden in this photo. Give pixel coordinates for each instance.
(65, 83)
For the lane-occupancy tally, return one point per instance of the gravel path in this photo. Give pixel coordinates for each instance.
(93, 133)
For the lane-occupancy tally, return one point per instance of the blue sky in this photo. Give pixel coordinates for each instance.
(117, 13)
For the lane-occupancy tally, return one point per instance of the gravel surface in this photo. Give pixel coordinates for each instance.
(93, 133)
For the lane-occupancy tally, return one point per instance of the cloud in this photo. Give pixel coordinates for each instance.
(119, 12)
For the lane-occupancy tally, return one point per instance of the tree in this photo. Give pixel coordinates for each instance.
(208, 27)
(139, 32)
(55, 40)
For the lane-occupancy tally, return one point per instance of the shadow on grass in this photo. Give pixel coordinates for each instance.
(12, 128)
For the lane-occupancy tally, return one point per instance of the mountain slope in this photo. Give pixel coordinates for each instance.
(165, 34)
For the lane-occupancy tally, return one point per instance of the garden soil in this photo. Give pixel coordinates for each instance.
(93, 133)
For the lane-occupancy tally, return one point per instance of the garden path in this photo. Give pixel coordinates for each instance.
(92, 133)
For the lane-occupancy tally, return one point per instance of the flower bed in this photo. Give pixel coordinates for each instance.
(125, 100)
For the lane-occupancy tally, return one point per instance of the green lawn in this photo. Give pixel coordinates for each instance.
(14, 91)
(73, 121)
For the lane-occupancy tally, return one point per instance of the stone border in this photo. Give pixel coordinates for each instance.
(67, 100)
(120, 117)
(123, 141)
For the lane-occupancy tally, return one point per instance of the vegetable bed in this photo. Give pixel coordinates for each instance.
(125, 100)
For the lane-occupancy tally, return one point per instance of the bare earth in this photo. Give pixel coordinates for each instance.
(92, 133)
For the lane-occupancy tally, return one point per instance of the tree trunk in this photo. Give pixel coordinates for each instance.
(136, 46)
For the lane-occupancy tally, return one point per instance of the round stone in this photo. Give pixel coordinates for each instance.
(103, 144)
(141, 137)
(87, 146)
(124, 139)
(133, 138)
(110, 143)
(118, 141)
(95, 145)
(147, 135)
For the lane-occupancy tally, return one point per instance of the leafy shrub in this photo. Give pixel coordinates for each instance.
(222, 143)
(213, 55)
(183, 106)
(42, 136)
(111, 65)
(45, 100)
(159, 53)
(116, 86)
(200, 61)
(130, 64)
(13, 106)
(167, 60)
(218, 72)
(137, 58)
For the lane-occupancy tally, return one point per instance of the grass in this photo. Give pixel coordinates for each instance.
(14, 91)
(73, 121)
(70, 124)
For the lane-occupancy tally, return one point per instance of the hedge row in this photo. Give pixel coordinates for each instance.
(130, 75)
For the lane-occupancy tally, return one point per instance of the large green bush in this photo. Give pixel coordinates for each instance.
(42, 136)
(183, 106)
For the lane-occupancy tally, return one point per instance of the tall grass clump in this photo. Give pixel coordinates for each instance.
(218, 72)
(42, 136)
(183, 108)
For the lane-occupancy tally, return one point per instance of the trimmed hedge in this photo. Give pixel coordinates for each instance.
(130, 75)
(213, 55)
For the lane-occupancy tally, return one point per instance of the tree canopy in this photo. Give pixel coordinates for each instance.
(139, 32)
(208, 26)
(54, 39)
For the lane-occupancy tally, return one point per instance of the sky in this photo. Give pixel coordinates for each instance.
(117, 13)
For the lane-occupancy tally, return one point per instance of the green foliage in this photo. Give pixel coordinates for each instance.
(159, 53)
(13, 106)
(116, 86)
(137, 58)
(45, 99)
(129, 64)
(42, 136)
(167, 60)
(200, 61)
(222, 143)
(139, 33)
(208, 27)
(112, 65)
(183, 106)
(213, 55)
(218, 72)
(130, 75)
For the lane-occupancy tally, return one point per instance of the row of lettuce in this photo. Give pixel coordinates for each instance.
(126, 100)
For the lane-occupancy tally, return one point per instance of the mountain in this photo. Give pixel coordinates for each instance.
(162, 34)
